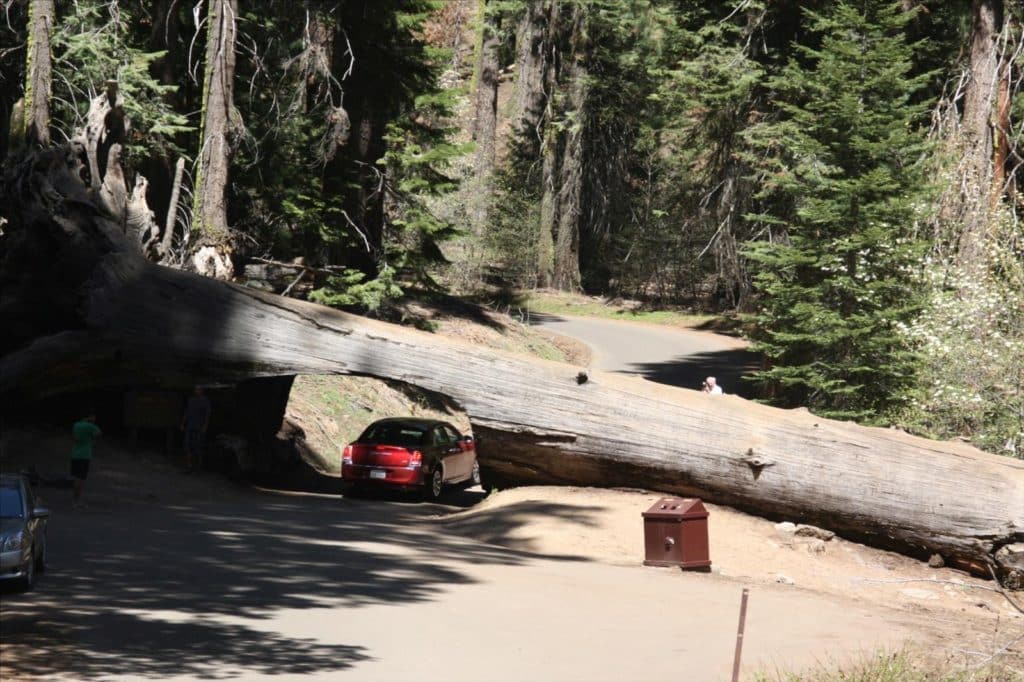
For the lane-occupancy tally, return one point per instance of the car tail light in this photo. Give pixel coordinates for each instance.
(346, 456)
(415, 460)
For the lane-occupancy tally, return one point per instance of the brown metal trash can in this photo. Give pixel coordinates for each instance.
(676, 534)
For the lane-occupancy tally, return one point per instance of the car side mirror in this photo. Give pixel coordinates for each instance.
(40, 513)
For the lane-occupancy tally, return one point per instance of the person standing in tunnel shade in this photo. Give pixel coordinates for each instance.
(193, 424)
(83, 433)
(711, 386)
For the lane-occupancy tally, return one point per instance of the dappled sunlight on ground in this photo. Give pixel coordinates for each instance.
(167, 574)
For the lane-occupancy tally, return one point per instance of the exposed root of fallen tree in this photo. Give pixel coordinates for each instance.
(81, 308)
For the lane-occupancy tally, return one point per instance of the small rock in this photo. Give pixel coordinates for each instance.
(816, 546)
(936, 561)
(785, 527)
(785, 580)
(804, 530)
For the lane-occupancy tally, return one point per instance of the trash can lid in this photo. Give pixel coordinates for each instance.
(677, 508)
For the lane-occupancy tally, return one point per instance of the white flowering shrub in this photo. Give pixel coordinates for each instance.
(970, 338)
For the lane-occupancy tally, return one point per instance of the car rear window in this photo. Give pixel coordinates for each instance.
(394, 434)
(10, 503)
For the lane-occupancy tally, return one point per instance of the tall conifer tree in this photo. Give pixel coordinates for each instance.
(837, 276)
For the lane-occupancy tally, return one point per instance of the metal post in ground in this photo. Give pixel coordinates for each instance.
(739, 637)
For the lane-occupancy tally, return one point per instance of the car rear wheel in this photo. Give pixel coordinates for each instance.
(435, 485)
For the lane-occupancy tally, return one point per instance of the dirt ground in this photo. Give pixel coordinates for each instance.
(183, 577)
(753, 551)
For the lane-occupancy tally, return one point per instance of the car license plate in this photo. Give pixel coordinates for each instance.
(378, 473)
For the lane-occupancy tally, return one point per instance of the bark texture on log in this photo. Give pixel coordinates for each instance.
(83, 309)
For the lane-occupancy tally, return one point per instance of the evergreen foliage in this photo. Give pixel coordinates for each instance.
(839, 272)
(95, 42)
(694, 180)
(362, 204)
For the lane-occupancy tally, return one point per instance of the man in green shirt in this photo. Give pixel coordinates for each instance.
(82, 433)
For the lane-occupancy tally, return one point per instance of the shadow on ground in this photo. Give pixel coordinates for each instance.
(420, 306)
(727, 366)
(167, 574)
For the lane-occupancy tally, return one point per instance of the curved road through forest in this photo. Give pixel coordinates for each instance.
(667, 355)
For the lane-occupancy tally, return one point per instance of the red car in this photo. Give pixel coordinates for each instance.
(406, 453)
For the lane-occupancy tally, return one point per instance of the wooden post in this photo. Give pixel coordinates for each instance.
(739, 636)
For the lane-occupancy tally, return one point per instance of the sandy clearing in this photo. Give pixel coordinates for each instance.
(606, 526)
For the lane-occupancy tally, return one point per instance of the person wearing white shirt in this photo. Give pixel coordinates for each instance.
(711, 386)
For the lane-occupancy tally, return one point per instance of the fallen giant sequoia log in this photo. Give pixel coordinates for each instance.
(81, 309)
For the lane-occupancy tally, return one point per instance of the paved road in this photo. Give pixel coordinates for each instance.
(667, 355)
(174, 577)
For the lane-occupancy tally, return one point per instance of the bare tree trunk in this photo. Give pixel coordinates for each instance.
(38, 73)
(977, 131)
(550, 146)
(549, 210)
(368, 216)
(486, 119)
(537, 69)
(166, 240)
(1001, 133)
(562, 170)
(211, 250)
(531, 57)
(82, 310)
(570, 181)
(164, 36)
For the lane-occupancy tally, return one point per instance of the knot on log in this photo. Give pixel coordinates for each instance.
(582, 378)
(757, 463)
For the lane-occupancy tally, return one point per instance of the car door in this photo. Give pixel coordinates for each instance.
(465, 455)
(449, 452)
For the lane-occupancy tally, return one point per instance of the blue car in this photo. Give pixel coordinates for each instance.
(22, 532)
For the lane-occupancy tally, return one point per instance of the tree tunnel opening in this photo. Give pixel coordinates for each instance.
(326, 412)
(262, 429)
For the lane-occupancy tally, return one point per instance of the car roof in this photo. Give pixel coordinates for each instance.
(410, 421)
(11, 479)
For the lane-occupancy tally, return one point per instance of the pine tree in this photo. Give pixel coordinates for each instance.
(94, 42)
(837, 274)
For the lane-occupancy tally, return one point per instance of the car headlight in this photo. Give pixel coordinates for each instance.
(12, 542)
